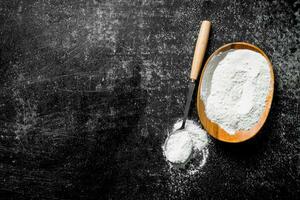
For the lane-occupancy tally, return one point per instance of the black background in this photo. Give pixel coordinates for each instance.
(88, 90)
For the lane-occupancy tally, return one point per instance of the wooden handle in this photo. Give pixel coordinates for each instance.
(200, 49)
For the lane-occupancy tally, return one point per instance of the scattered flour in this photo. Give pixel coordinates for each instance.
(187, 144)
(234, 89)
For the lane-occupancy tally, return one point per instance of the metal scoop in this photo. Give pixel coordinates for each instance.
(196, 65)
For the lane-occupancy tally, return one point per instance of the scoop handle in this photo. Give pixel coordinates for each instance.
(200, 49)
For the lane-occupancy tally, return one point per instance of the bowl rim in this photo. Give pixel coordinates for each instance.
(214, 129)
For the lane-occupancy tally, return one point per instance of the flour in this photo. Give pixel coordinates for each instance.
(179, 147)
(189, 143)
(196, 133)
(234, 89)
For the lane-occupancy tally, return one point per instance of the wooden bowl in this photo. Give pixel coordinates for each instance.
(214, 129)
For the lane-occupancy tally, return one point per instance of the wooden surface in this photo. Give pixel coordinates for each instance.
(89, 89)
(214, 129)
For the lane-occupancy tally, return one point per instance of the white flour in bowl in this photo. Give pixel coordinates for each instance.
(234, 89)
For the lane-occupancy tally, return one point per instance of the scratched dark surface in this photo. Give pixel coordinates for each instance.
(89, 88)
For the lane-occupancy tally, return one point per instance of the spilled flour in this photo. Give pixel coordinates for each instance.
(185, 145)
(234, 89)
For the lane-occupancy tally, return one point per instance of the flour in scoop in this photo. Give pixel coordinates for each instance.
(191, 142)
(179, 147)
(234, 89)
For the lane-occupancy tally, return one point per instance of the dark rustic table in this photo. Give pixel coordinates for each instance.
(88, 90)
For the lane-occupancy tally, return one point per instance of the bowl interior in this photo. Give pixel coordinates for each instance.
(214, 129)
